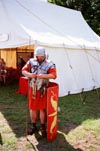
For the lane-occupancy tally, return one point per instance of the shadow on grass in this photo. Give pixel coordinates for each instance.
(13, 108)
(73, 112)
(1, 142)
(59, 144)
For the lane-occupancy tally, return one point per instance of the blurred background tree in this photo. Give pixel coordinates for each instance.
(90, 10)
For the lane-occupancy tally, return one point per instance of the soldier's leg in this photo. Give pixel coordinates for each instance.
(33, 117)
(43, 119)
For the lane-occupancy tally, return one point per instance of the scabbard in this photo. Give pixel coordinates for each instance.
(33, 89)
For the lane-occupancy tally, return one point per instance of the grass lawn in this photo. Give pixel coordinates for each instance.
(78, 123)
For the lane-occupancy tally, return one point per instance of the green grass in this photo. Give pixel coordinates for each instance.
(78, 123)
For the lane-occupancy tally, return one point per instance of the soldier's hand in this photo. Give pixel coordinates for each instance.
(33, 75)
(40, 76)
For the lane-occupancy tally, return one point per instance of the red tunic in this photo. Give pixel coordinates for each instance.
(39, 102)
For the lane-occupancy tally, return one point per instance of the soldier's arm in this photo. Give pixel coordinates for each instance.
(26, 73)
(50, 75)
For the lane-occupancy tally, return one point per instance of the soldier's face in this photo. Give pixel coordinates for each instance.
(40, 59)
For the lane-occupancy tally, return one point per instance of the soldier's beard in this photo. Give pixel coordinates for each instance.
(40, 60)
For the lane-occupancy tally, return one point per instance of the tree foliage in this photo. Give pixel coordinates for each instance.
(90, 9)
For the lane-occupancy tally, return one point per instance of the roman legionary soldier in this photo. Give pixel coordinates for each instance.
(39, 70)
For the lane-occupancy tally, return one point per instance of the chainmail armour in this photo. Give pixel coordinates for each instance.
(40, 84)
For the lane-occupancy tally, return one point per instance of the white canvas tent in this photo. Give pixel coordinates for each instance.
(68, 40)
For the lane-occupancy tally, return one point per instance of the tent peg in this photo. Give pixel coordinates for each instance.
(68, 92)
(94, 87)
(82, 89)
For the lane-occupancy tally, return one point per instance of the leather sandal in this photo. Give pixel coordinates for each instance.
(32, 129)
(43, 130)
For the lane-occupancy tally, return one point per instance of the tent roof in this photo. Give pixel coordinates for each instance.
(43, 23)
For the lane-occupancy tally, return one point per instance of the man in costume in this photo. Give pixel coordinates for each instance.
(39, 70)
